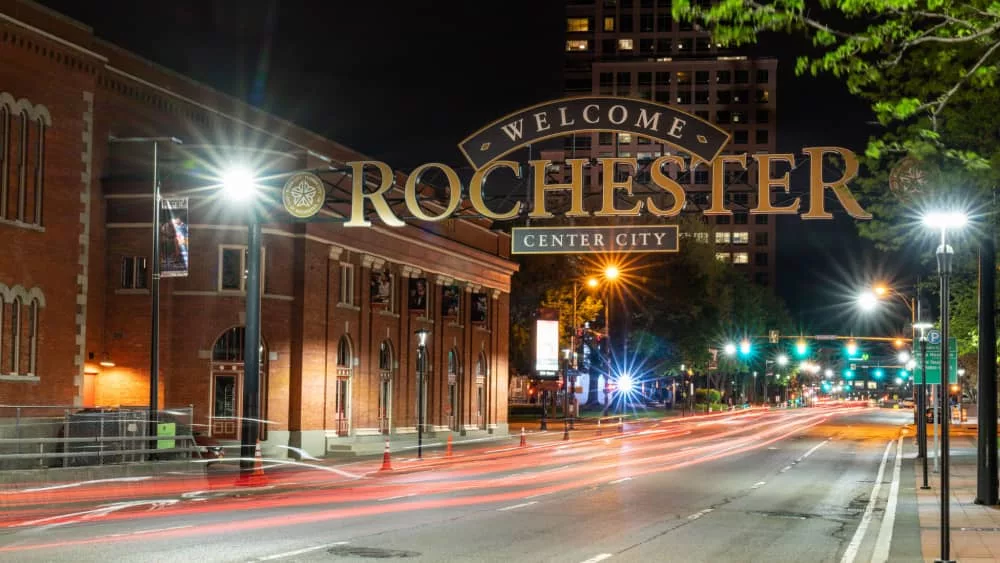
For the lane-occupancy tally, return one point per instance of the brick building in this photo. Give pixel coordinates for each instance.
(339, 308)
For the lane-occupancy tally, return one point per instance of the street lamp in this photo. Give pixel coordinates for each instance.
(943, 221)
(240, 185)
(729, 349)
(782, 360)
(422, 334)
(154, 290)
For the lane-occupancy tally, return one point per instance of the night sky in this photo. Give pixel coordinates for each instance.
(403, 82)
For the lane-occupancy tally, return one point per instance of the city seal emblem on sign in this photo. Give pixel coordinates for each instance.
(303, 195)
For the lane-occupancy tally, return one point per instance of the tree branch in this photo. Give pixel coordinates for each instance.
(807, 21)
(938, 105)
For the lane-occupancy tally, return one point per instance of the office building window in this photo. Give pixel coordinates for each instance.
(742, 76)
(133, 272)
(760, 219)
(762, 96)
(233, 268)
(703, 114)
(626, 44)
(762, 76)
(741, 198)
(723, 257)
(723, 117)
(741, 218)
(624, 80)
(723, 237)
(723, 77)
(577, 45)
(741, 258)
(741, 137)
(608, 46)
(646, 23)
(701, 96)
(664, 46)
(625, 25)
(663, 23)
(577, 24)
(722, 219)
(701, 237)
(701, 176)
(609, 24)
(663, 78)
(605, 138)
(741, 237)
(624, 138)
(739, 117)
(760, 239)
(647, 46)
(760, 259)
(761, 136)
(645, 79)
(762, 116)
(684, 78)
(684, 98)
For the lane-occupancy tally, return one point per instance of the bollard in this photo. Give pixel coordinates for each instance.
(621, 426)
(447, 452)
(524, 439)
(598, 427)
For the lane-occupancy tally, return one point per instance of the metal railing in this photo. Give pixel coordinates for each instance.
(44, 436)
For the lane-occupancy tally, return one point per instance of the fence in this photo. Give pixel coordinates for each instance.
(34, 437)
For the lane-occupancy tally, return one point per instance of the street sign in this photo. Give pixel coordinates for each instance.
(934, 361)
(934, 336)
(773, 336)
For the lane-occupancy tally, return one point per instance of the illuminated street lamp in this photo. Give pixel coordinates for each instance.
(421, 335)
(904, 356)
(868, 300)
(239, 185)
(945, 221)
(782, 360)
(611, 273)
(729, 349)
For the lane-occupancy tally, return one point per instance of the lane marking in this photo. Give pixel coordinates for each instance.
(540, 495)
(785, 468)
(699, 514)
(884, 539)
(597, 558)
(80, 484)
(622, 480)
(813, 449)
(140, 532)
(852, 549)
(758, 484)
(397, 497)
(299, 551)
(516, 506)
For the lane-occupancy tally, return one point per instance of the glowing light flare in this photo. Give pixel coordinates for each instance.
(782, 360)
(729, 348)
(745, 347)
(945, 219)
(867, 301)
(625, 383)
(592, 282)
(239, 183)
(612, 272)
(801, 348)
(904, 356)
(852, 347)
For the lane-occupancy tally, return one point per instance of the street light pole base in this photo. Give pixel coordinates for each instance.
(944, 561)
(924, 487)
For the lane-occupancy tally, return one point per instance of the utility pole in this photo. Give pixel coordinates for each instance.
(986, 460)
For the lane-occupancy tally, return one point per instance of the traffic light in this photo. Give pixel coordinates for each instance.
(801, 348)
(851, 348)
(745, 347)
(878, 373)
(849, 374)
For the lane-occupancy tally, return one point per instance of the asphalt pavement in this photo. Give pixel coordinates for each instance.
(815, 484)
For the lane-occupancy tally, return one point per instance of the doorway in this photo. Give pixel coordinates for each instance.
(226, 386)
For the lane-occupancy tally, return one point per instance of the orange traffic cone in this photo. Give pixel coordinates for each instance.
(255, 477)
(258, 462)
(524, 439)
(386, 465)
(447, 452)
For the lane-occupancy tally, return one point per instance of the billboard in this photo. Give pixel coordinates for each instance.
(546, 346)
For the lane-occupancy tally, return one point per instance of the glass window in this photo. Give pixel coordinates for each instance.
(347, 283)
(739, 117)
(702, 44)
(741, 137)
(645, 141)
(742, 76)
(761, 136)
(664, 46)
(760, 239)
(663, 78)
(762, 116)
(646, 23)
(684, 98)
(625, 24)
(741, 237)
(701, 176)
(723, 77)
(761, 76)
(624, 138)
(684, 78)
(663, 96)
(605, 138)
(741, 258)
(645, 78)
(701, 77)
(233, 268)
(741, 96)
(133, 272)
(624, 79)
(663, 22)
(607, 79)
(741, 218)
(723, 117)
(626, 44)
(723, 237)
(609, 46)
(577, 45)
(577, 24)
(742, 198)
(723, 219)
(760, 219)
(703, 114)
(760, 259)
(701, 96)
(723, 256)
(647, 45)
(762, 96)
(609, 24)
(701, 237)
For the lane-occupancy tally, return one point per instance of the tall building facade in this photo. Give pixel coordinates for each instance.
(340, 362)
(634, 48)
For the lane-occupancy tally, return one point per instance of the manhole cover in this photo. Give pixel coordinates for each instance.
(370, 552)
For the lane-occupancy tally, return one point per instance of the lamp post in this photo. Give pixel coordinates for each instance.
(944, 221)
(240, 185)
(422, 334)
(154, 289)
(922, 401)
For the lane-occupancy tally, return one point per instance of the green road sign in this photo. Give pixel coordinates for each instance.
(934, 362)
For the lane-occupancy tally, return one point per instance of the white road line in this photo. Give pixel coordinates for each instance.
(597, 558)
(866, 518)
(148, 531)
(522, 505)
(785, 468)
(758, 484)
(540, 495)
(299, 551)
(397, 497)
(699, 514)
(884, 539)
(622, 480)
(814, 448)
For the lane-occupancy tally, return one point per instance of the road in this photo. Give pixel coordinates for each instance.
(816, 484)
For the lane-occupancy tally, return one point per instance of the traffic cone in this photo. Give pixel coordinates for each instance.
(255, 477)
(447, 452)
(524, 439)
(258, 462)
(386, 465)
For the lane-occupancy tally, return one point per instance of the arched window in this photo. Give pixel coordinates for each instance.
(481, 367)
(36, 203)
(4, 159)
(344, 352)
(15, 335)
(229, 346)
(33, 338)
(452, 364)
(22, 166)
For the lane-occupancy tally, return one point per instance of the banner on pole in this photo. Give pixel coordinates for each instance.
(174, 237)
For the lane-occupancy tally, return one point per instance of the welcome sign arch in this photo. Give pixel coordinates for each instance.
(303, 194)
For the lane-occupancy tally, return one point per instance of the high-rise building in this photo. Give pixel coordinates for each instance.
(634, 48)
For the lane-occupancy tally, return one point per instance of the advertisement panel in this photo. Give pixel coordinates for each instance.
(546, 346)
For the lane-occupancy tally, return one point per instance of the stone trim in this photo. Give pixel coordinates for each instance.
(87, 158)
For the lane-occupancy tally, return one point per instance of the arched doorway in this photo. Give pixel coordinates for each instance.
(385, 363)
(227, 385)
(342, 392)
(453, 402)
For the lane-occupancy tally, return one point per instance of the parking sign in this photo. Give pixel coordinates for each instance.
(933, 336)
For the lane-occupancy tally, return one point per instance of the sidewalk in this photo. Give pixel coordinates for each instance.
(975, 529)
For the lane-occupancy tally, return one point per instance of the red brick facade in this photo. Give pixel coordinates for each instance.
(76, 314)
